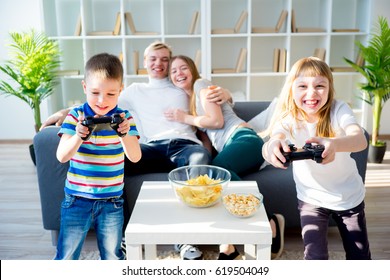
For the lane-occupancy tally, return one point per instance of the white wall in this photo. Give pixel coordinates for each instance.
(17, 120)
(380, 8)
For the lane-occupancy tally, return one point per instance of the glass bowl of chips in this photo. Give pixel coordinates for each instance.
(242, 205)
(199, 185)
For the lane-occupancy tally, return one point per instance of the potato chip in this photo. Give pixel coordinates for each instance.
(201, 191)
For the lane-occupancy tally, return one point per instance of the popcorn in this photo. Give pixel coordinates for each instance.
(241, 205)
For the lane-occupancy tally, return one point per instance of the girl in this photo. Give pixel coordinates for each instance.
(238, 145)
(308, 113)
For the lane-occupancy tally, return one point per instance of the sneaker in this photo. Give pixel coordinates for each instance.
(233, 256)
(189, 252)
(278, 240)
(123, 246)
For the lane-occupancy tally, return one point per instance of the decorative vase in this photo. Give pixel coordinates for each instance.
(376, 153)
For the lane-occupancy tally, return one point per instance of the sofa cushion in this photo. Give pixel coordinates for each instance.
(262, 120)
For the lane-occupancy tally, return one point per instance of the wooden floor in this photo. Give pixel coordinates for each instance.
(22, 236)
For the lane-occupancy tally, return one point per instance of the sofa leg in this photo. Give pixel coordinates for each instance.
(54, 237)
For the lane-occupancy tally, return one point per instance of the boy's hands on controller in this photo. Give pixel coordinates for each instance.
(124, 126)
(81, 130)
(329, 154)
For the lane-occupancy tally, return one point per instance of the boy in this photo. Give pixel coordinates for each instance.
(94, 183)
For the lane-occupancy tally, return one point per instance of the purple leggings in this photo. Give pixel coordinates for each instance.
(351, 224)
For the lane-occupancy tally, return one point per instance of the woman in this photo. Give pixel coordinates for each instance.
(237, 144)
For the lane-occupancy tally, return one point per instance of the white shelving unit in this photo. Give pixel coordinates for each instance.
(170, 21)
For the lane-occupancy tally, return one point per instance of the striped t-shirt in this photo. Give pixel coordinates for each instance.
(96, 170)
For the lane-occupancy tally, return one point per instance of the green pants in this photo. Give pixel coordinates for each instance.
(241, 153)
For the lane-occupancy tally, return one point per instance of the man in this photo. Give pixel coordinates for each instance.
(166, 144)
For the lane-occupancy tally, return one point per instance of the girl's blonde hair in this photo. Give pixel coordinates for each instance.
(195, 76)
(305, 67)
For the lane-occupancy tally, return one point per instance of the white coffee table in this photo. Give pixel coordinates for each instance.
(159, 218)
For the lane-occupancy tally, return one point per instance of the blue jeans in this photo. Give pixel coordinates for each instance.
(351, 224)
(77, 216)
(165, 155)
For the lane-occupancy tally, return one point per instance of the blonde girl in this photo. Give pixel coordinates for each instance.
(308, 112)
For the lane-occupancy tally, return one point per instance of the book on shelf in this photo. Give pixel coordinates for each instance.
(281, 20)
(240, 21)
(346, 30)
(239, 64)
(100, 33)
(135, 61)
(263, 30)
(117, 27)
(359, 59)
(237, 27)
(342, 69)
(133, 30)
(275, 65)
(194, 22)
(282, 60)
(137, 70)
(293, 22)
(223, 70)
(320, 53)
(222, 31)
(77, 31)
(309, 29)
(142, 71)
(68, 72)
(197, 59)
(130, 22)
(241, 60)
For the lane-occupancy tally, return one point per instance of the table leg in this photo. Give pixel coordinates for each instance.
(134, 251)
(263, 251)
(150, 252)
(250, 251)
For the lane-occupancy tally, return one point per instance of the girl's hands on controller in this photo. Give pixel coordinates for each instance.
(329, 154)
(272, 152)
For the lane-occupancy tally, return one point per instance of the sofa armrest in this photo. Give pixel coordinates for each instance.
(361, 158)
(51, 176)
(247, 110)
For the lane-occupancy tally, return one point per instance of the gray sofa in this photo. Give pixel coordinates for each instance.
(276, 185)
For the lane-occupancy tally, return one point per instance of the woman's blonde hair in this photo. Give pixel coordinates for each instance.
(305, 67)
(195, 76)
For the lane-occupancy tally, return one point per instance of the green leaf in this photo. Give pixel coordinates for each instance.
(31, 68)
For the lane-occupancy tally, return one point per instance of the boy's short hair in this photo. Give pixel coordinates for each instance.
(157, 46)
(106, 66)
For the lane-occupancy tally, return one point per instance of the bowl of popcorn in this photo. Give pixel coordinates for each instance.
(199, 185)
(242, 205)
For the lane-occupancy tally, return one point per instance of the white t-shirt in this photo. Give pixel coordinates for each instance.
(336, 185)
(147, 102)
(218, 137)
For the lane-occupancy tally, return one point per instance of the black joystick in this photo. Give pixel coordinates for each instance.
(308, 151)
(94, 123)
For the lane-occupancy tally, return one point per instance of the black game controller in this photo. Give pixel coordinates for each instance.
(308, 151)
(93, 123)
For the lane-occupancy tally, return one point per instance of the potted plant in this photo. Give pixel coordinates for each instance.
(376, 88)
(31, 70)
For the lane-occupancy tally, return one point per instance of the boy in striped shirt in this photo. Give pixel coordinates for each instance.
(94, 183)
